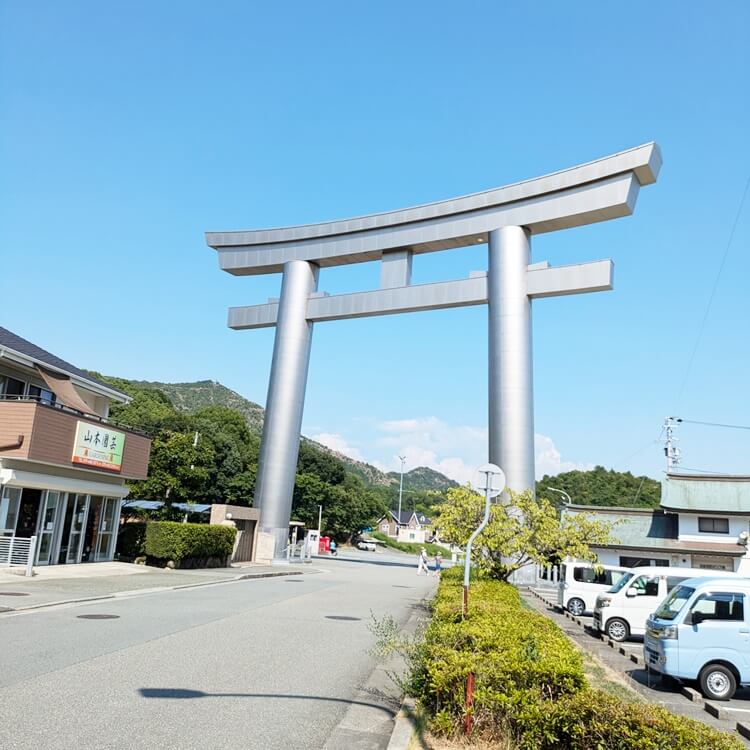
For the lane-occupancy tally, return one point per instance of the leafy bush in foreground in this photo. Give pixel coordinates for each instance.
(530, 682)
(168, 540)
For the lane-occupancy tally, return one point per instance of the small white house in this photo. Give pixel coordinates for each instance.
(410, 526)
(703, 522)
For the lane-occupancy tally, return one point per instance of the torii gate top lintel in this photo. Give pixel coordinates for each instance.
(596, 191)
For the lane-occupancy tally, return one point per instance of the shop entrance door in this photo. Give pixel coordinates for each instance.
(48, 523)
(100, 527)
(72, 533)
(105, 537)
(28, 512)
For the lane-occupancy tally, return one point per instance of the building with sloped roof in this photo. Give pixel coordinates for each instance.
(702, 522)
(409, 526)
(63, 462)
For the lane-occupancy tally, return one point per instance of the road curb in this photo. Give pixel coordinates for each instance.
(405, 727)
(155, 590)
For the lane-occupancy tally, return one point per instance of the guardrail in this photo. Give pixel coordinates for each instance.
(16, 550)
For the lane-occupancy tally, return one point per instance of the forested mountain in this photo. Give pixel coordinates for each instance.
(602, 486)
(192, 397)
(422, 479)
(220, 465)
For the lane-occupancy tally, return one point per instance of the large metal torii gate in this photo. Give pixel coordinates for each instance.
(505, 219)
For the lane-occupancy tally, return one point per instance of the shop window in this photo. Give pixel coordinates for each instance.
(710, 525)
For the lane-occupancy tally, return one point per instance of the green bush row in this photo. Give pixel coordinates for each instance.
(530, 682)
(410, 547)
(131, 540)
(169, 540)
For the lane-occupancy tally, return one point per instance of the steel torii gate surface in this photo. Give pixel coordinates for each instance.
(505, 219)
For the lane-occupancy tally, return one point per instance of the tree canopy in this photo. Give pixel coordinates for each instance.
(221, 465)
(601, 486)
(519, 533)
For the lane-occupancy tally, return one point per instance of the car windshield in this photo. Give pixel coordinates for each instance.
(671, 606)
(620, 585)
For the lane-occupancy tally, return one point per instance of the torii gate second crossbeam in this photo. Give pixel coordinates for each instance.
(505, 219)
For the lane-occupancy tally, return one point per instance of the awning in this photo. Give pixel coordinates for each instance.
(37, 481)
(65, 391)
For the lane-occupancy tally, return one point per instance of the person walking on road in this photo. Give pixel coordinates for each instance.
(422, 563)
(438, 564)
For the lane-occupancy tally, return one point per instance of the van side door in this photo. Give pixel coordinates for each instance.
(715, 628)
(647, 599)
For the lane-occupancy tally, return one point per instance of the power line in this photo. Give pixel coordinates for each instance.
(713, 293)
(715, 424)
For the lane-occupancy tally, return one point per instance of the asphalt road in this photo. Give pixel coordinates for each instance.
(268, 663)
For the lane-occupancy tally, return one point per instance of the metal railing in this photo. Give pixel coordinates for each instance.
(16, 550)
(59, 406)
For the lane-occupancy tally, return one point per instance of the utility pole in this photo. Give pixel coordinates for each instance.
(320, 518)
(401, 488)
(671, 451)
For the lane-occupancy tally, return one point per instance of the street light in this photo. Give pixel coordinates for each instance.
(490, 479)
(401, 488)
(568, 501)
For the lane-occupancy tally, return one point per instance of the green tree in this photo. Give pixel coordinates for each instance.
(522, 532)
(601, 486)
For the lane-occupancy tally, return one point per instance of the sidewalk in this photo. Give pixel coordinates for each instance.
(65, 584)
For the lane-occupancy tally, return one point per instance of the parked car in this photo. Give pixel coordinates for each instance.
(701, 631)
(623, 610)
(580, 583)
(367, 545)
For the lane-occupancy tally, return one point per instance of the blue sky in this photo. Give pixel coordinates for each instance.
(128, 129)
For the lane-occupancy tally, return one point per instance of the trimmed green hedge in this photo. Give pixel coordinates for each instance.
(169, 540)
(411, 547)
(530, 683)
(131, 540)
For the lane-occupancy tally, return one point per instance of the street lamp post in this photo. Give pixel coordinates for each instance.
(401, 487)
(490, 480)
(568, 501)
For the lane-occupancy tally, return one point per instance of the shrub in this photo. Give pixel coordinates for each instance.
(410, 547)
(131, 540)
(530, 683)
(169, 540)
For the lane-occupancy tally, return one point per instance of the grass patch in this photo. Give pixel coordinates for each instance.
(412, 548)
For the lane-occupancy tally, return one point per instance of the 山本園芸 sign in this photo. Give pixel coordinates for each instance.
(98, 446)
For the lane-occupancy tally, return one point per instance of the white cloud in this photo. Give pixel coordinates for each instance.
(453, 450)
(337, 443)
(549, 460)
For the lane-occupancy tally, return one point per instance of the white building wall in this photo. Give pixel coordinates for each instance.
(417, 536)
(688, 528)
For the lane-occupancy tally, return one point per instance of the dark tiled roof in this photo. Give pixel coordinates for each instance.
(406, 517)
(12, 341)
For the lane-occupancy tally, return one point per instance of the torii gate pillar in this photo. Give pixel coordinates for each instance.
(511, 391)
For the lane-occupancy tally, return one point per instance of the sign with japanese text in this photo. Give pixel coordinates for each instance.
(98, 446)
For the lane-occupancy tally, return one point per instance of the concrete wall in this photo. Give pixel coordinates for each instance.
(225, 515)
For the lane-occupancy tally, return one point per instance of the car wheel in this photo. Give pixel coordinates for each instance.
(576, 607)
(717, 682)
(617, 629)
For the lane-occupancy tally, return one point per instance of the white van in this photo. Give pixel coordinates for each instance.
(623, 610)
(581, 582)
(701, 631)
